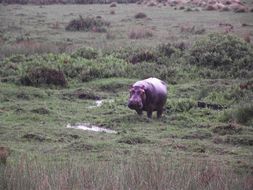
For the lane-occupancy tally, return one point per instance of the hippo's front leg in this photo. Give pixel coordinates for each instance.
(139, 112)
(149, 114)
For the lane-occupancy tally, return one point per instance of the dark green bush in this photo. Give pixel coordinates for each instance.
(135, 55)
(39, 70)
(87, 53)
(166, 49)
(224, 53)
(44, 76)
(180, 105)
(105, 67)
(88, 24)
(142, 55)
(140, 15)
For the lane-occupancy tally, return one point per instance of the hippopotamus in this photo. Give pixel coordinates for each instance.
(148, 95)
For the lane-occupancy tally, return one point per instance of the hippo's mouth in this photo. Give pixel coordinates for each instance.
(135, 106)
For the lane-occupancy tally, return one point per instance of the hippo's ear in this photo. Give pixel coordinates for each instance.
(142, 89)
(131, 88)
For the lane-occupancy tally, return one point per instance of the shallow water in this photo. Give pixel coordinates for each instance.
(90, 127)
(98, 103)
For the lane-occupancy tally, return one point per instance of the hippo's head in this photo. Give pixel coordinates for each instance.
(137, 97)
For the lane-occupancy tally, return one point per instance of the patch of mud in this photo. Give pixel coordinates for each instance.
(90, 127)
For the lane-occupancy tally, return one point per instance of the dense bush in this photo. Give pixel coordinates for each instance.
(44, 76)
(142, 55)
(180, 105)
(140, 15)
(167, 49)
(53, 69)
(88, 24)
(214, 56)
(226, 53)
(87, 53)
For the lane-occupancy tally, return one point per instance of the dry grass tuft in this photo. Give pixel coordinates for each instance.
(140, 33)
(87, 24)
(29, 47)
(112, 12)
(140, 15)
(113, 5)
(4, 154)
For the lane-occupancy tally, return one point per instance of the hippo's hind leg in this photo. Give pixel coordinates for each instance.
(159, 113)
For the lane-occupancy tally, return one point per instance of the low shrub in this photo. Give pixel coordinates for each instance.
(4, 154)
(87, 53)
(104, 67)
(180, 105)
(142, 55)
(167, 49)
(223, 53)
(44, 76)
(139, 33)
(88, 24)
(140, 15)
(113, 5)
(112, 12)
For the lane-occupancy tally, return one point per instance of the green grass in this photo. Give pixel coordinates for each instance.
(188, 148)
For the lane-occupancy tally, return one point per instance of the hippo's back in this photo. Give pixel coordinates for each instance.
(155, 83)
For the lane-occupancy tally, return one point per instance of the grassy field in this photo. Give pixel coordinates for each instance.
(48, 81)
(47, 24)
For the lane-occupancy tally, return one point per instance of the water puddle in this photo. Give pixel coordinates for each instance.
(90, 127)
(98, 103)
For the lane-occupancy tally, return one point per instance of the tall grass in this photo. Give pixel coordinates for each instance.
(153, 172)
(65, 1)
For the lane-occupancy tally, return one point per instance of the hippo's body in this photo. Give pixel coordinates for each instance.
(148, 95)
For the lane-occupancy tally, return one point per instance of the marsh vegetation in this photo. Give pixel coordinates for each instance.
(51, 77)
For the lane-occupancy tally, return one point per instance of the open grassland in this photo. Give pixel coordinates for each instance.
(204, 139)
(46, 25)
